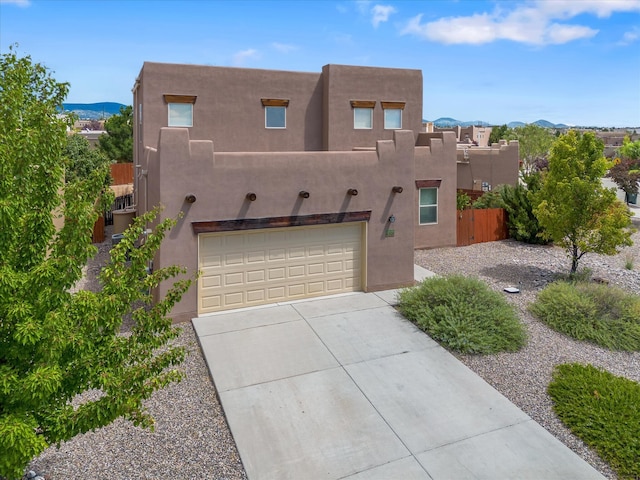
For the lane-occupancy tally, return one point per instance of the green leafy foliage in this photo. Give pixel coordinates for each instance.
(499, 133)
(492, 199)
(462, 201)
(630, 149)
(463, 314)
(576, 211)
(56, 344)
(517, 200)
(117, 143)
(82, 159)
(603, 410)
(626, 170)
(535, 142)
(601, 314)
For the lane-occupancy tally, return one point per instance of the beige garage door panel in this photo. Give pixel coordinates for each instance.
(255, 267)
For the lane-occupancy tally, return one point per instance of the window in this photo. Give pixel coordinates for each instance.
(180, 115)
(428, 205)
(363, 118)
(275, 112)
(392, 115)
(275, 117)
(362, 114)
(392, 119)
(180, 110)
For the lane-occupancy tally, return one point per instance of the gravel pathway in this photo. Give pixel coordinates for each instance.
(192, 439)
(523, 376)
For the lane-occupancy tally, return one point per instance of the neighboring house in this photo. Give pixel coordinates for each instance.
(471, 135)
(483, 168)
(92, 136)
(292, 184)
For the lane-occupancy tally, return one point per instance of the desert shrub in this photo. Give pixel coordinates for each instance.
(463, 314)
(601, 314)
(603, 410)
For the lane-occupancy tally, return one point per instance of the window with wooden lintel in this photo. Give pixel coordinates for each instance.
(392, 115)
(363, 114)
(275, 112)
(180, 109)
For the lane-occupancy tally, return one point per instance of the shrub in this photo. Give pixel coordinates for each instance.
(463, 314)
(462, 201)
(601, 314)
(523, 224)
(491, 199)
(603, 410)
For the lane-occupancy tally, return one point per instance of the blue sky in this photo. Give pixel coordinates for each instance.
(566, 61)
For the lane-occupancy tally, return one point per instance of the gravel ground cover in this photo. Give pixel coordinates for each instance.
(523, 376)
(192, 439)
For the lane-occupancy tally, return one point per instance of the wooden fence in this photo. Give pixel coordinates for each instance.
(481, 225)
(121, 173)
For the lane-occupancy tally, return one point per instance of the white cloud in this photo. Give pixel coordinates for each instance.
(630, 37)
(381, 13)
(19, 3)
(540, 22)
(242, 56)
(600, 8)
(284, 47)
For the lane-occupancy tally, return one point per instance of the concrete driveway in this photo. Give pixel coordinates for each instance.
(345, 388)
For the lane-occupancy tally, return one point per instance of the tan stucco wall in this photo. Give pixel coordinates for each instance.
(319, 116)
(220, 182)
(228, 106)
(435, 159)
(342, 84)
(497, 165)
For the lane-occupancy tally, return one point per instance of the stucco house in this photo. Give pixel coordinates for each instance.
(292, 184)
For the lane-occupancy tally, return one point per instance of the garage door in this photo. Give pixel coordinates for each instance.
(255, 267)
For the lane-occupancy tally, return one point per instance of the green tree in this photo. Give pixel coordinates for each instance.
(576, 211)
(523, 224)
(499, 133)
(535, 142)
(56, 344)
(626, 172)
(117, 143)
(82, 160)
(630, 150)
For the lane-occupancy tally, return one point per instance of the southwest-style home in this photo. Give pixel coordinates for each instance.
(292, 184)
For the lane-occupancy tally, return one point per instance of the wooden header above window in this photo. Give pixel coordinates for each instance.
(396, 105)
(274, 102)
(179, 98)
(428, 183)
(363, 103)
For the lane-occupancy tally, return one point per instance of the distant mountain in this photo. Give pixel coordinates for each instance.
(93, 111)
(447, 122)
(544, 123)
